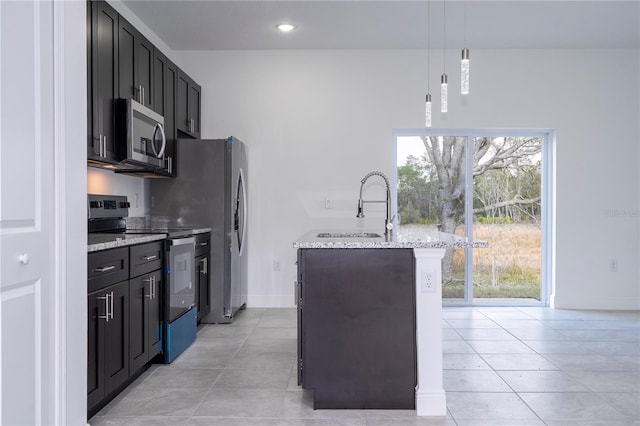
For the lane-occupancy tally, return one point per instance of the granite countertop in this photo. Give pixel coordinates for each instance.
(98, 241)
(362, 239)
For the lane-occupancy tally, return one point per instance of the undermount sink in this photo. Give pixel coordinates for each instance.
(348, 235)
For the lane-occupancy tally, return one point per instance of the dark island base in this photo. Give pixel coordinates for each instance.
(357, 327)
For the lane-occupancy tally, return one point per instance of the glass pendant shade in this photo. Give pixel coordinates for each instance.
(464, 72)
(427, 111)
(444, 94)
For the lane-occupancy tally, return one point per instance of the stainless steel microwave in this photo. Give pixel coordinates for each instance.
(141, 133)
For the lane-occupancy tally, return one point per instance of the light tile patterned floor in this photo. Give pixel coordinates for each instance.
(503, 366)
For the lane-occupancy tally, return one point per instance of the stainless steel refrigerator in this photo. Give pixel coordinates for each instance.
(210, 190)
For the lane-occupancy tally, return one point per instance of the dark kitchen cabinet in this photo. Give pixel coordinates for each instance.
(188, 94)
(202, 265)
(145, 294)
(356, 327)
(165, 74)
(123, 64)
(135, 64)
(145, 326)
(108, 338)
(125, 293)
(103, 83)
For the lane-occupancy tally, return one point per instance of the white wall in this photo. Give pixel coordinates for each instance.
(316, 121)
(105, 182)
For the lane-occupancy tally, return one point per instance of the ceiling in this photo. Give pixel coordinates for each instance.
(361, 24)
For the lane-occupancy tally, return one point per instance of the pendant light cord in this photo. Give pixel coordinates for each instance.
(465, 23)
(444, 38)
(428, 46)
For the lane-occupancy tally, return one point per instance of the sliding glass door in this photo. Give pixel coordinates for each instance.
(480, 186)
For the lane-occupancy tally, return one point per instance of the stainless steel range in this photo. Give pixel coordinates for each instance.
(108, 215)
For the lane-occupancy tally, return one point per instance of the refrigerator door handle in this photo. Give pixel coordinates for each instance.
(244, 211)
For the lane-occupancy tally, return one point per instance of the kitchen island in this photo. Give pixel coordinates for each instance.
(369, 323)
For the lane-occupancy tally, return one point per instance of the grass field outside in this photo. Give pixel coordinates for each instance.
(509, 268)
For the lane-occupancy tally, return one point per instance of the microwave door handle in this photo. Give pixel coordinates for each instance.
(164, 141)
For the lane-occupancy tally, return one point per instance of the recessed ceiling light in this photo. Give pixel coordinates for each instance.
(285, 28)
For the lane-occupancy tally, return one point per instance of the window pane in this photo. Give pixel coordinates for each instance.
(507, 213)
(431, 191)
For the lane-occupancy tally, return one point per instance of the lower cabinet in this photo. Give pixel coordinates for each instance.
(108, 354)
(357, 346)
(202, 264)
(124, 318)
(145, 327)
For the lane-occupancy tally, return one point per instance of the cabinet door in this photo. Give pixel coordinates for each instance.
(154, 324)
(144, 70)
(127, 87)
(104, 84)
(144, 319)
(95, 338)
(139, 293)
(182, 103)
(116, 337)
(135, 64)
(164, 80)
(171, 82)
(202, 276)
(188, 105)
(194, 108)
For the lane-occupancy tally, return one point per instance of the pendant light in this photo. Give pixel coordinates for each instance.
(464, 63)
(427, 114)
(444, 95)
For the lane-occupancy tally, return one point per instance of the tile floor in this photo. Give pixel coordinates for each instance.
(502, 366)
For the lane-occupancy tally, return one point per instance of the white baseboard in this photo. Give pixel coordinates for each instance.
(600, 303)
(270, 301)
(431, 404)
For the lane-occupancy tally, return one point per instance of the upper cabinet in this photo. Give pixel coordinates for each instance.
(165, 75)
(188, 105)
(103, 82)
(135, 64)
(123, 64)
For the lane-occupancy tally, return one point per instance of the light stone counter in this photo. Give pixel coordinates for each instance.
(105, 241)
(97, 242)
(358, 240)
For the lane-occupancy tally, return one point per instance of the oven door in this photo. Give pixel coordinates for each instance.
(181, 287)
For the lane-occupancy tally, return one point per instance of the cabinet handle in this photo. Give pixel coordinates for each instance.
(111, 310)
(105, 268)
(150, 281)
(203, 271)
(202, 244)
(104, 147)
(150, 257)
(170, 164)
(106, 307)
(154, 287)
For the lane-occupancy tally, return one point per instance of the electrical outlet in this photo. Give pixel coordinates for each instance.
(428, 282)
(328, 203)
(276, 265)
(613, 265)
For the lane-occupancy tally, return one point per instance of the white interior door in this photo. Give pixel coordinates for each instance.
(27, 303)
